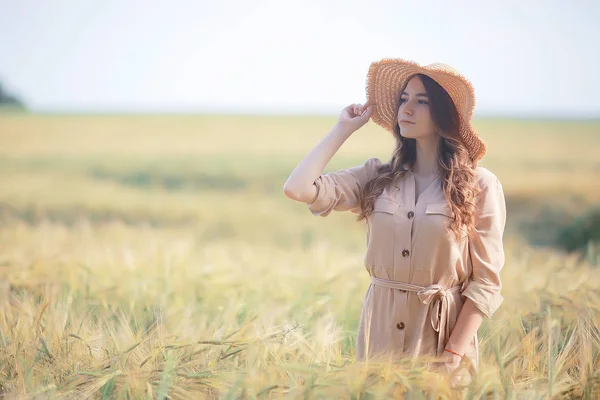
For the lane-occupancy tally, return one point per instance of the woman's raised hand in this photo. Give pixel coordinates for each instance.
(354, 116)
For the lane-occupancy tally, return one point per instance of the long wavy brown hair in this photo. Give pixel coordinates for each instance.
(459, 183)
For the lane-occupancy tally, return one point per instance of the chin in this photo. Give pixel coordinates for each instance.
(405, 135)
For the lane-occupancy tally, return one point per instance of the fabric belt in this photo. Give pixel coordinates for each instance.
(435, 296)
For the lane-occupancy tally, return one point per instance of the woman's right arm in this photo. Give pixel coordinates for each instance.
(300, 185)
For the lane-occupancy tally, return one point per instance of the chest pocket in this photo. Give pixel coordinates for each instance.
(444, 215)
(439, 208)
(385, 205)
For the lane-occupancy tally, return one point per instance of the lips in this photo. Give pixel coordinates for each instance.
(405, 122)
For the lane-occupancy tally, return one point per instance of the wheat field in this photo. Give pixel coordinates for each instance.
(156, 256)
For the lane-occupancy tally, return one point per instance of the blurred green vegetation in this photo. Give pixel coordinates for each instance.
(9, 102)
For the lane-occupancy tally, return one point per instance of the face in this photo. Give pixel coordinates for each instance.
(414, 107)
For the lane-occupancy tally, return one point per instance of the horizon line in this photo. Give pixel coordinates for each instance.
(484, 115)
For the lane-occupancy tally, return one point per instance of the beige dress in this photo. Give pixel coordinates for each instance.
(420, 274)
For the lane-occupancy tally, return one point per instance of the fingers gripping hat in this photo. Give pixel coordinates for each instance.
(388, 76)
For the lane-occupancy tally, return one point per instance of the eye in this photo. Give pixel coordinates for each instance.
(420, 101)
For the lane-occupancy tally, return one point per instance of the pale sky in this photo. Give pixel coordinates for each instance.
(524, 58)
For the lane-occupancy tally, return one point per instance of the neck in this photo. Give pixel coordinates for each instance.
(427, 156)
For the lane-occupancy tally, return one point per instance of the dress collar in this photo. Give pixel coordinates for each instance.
(407, 167)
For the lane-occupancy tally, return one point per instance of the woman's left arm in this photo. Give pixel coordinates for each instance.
(468, 323)
(486, 252)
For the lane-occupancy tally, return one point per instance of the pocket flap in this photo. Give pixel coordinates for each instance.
(385, 204)
(439, 208)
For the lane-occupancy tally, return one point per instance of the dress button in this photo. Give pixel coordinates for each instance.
(405, 253)
(400, 325)
(411, 214)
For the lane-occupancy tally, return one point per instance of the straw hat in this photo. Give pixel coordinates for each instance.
(387, 77)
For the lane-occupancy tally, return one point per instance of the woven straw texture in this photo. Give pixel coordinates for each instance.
(388, 76)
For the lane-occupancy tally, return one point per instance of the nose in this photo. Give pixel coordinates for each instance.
(406, 109)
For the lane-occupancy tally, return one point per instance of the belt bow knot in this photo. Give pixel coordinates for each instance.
(437, 297)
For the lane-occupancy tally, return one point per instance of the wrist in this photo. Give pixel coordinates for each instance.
(342, 130)
(453, 356)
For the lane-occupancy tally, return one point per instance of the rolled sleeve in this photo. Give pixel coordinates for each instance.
(486, 250)
(340, 190)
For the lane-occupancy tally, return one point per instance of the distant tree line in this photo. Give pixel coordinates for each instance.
(8, 100)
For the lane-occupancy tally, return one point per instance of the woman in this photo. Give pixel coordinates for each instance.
(435, 219)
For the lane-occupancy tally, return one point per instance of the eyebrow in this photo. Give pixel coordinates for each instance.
(418, 94)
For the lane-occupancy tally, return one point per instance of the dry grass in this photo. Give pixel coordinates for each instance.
(155, 256)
